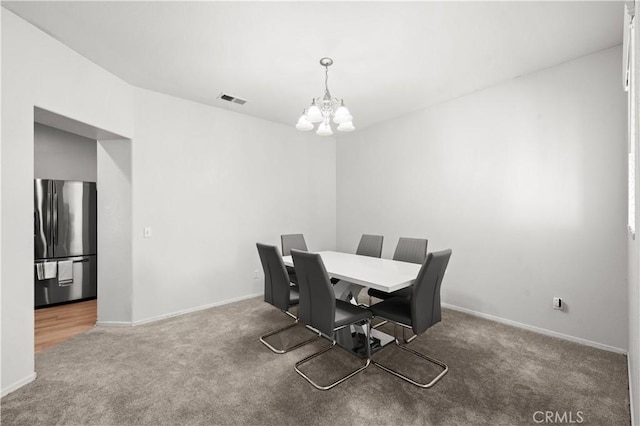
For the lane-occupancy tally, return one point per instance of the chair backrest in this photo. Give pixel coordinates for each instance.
(292, 241)
(317, 307)
(276, 278)
(370, 245)
(412, 250)
(425, 300)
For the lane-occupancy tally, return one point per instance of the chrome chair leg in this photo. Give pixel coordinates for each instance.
(381, 323)
(368, 340)
(280, 330)
(343, 378)
(418, 354)
(404, 338)
(291, 315)
(364, 305)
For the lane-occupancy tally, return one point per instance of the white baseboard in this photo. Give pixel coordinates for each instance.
(197, 308)
(30, 378)
(630, 390)
(538, 329)
(114, 324)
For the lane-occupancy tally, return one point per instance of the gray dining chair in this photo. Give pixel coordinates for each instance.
(418, 313)
(320, 310)
(292, 241)
(413, 250)
(278, 292)
(370, 245)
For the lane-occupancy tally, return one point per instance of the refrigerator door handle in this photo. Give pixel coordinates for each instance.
(54, 228)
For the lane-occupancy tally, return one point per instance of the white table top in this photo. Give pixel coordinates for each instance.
(382, 274)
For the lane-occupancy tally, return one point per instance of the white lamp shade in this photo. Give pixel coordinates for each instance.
(314, 115)
(304, 124)
(324, 129)
(342, 115)
(342, 119)
(346, 127)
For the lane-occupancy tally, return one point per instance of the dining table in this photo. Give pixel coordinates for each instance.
(355, 273)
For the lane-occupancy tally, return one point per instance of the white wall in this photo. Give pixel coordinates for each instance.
(63, 155)
(634, 267)
(525, 181)
(39, 71)
(211, 183)
(115, 248)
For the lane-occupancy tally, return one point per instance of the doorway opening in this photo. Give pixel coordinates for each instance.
(82, 243)
(65, 234)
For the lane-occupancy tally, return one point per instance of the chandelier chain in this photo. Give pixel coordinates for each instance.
(326, 79)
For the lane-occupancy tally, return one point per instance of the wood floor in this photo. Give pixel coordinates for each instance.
(57, 324)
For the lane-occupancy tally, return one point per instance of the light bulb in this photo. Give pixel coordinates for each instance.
(314, 114)
(342, 114)
(324, 129)
(346, 127)
(339, 119)
(304, 124)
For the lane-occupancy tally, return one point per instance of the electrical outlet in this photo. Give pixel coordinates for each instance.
(557, 303)
(256, 274)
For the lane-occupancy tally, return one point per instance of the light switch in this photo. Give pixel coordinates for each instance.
(147, 232)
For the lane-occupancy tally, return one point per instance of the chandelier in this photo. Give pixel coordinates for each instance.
(323, 109)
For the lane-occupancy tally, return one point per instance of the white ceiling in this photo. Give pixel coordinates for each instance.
(390, 58)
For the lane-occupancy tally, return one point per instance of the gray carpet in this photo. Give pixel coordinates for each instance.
(209, 368)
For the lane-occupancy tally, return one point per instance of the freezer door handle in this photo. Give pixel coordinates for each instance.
(67, 283)
(74, 259)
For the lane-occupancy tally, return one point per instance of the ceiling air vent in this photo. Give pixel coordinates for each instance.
(233, 99)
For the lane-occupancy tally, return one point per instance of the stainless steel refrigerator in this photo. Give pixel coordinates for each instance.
(65, 240)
